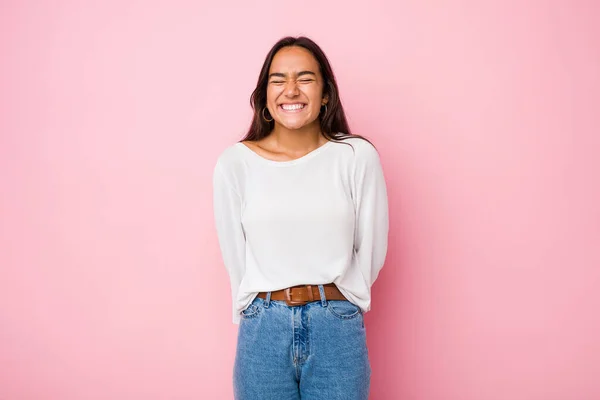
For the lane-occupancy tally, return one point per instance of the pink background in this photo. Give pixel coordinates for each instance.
(486, 117)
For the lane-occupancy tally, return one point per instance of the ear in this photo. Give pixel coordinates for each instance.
(325, 99)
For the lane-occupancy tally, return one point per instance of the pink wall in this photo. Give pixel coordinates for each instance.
(486, 116)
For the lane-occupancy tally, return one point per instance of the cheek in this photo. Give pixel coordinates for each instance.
(271, 95)
(270, 98)
(273, 92)
(316, 95)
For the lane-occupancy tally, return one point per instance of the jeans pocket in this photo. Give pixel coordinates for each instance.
(251, 311)
(343, 309)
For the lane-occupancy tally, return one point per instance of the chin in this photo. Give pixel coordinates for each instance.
(293, 125)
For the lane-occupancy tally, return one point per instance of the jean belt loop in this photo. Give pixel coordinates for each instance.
(323, 298)
(268, 300)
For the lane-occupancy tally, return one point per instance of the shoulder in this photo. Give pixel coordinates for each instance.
(231, 166)
(229, 158)
(230, 154)
(360, 149)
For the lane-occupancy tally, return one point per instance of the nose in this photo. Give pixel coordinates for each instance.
(291, 88)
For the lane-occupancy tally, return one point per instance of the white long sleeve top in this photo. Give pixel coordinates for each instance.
(317, 219)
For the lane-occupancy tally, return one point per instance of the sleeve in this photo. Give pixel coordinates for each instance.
(227, 206)
(372, 218)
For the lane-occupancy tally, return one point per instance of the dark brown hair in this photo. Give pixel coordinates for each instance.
(333, 123)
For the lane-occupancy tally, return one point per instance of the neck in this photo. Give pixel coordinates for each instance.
(305, 138)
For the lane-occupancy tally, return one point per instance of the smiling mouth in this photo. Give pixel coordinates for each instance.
(292, 107)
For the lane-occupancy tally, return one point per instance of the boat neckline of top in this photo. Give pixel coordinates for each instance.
(307, 156)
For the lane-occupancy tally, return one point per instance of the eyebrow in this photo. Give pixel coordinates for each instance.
(280, 75)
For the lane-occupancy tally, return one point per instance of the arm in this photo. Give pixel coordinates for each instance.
(372, 219)
(227, 212)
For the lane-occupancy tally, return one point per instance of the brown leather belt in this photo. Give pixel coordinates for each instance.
(302, 294)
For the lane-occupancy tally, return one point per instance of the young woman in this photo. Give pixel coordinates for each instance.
(302, 219)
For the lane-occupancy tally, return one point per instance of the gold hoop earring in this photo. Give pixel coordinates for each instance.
(265, 118)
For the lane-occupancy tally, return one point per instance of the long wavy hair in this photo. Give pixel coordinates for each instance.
(333, 122)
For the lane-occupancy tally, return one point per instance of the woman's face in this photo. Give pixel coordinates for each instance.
(295, 88)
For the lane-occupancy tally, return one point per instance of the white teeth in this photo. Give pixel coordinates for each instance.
(291, 107)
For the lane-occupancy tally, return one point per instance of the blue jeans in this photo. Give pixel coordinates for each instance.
(310, 352)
